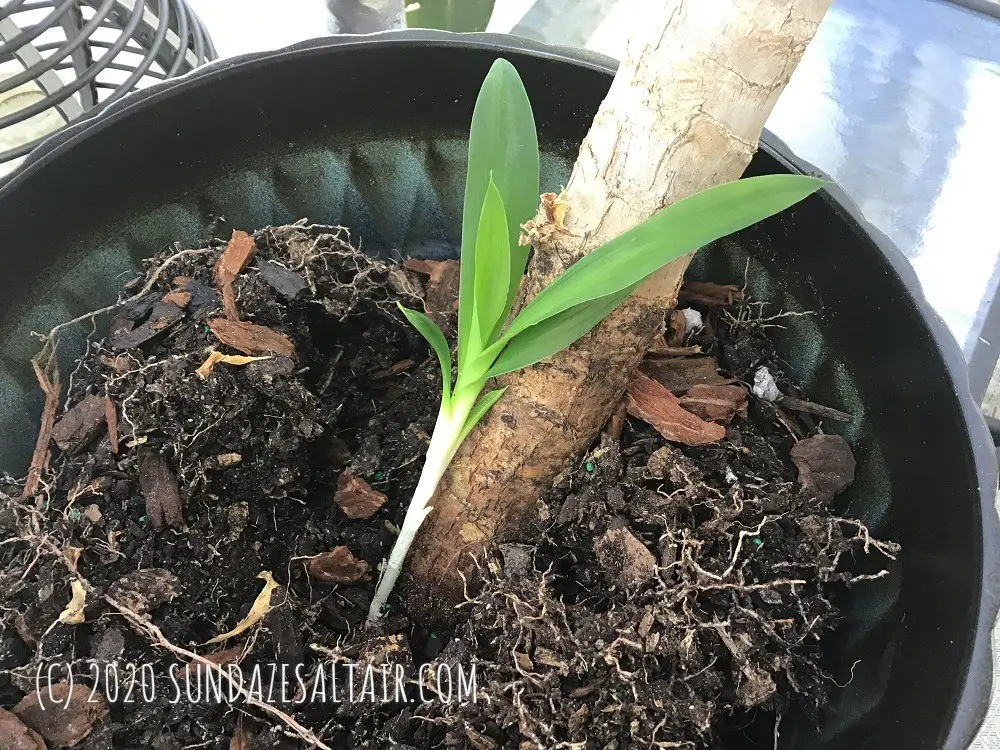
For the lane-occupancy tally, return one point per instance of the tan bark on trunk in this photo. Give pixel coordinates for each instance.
(684, 113)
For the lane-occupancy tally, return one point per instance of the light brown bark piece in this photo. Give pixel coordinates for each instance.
(177, 297)
(14, 735)
(624, 558)
(684, 113)
(160, 491)
(680, 374)
(717, 403)
(231, 263)
(63, 714)
(652, 403)
(356, 497)
(709, 294)
(111, 417)
(338, 565)
(250, 338)
(676, 328)
(79, 425)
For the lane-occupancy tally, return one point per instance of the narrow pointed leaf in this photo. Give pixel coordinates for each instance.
(449, 15)
(479, 411)
(429, 330)
(556, 333)
(502, 141)
(675, 230)
(492, 264)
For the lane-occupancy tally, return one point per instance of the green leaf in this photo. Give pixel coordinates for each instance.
(556, 333)
(449, 15)
(502, 142)
(479, 411)
(492, 265)
(430, 331)
(675, 230)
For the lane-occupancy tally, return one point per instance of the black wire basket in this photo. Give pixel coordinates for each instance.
(71, 58)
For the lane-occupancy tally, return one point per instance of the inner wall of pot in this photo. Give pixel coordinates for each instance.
(384, 155)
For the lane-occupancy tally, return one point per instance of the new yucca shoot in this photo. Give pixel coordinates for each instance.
(501, 194)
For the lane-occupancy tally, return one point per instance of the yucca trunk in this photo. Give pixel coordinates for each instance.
(684, 113)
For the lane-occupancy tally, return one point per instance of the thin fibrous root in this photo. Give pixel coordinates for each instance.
(158, 640)
(147, 287)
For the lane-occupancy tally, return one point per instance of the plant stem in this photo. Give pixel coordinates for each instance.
(444, 443)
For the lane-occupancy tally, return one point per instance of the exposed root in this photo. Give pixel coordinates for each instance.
(47, 373)
(151, 281)
(158, 640)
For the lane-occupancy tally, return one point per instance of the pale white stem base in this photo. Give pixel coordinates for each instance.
(444, 442)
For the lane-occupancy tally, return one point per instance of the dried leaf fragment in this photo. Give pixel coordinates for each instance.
(79, 425)
(73, 614)
(441, 290)
(72, 555)
(556, 207)
(338, 565)
(356, 497)
(160, 491)
(657, 406)
(261, 606)
(216, 357)
(251, 338)
(61, 714)
(717, 403)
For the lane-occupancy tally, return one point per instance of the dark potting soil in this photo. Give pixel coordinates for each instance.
(674, 592)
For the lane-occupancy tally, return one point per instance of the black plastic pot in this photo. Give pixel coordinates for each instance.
(370, 132)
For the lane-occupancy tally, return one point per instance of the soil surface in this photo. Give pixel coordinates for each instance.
(232, 462)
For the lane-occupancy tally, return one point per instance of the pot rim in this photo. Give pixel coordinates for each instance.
(974, 701)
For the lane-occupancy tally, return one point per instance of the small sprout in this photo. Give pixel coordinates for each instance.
(142, 519)
(501, 195)
(589, 466)
(379, 476)
(757, 541)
